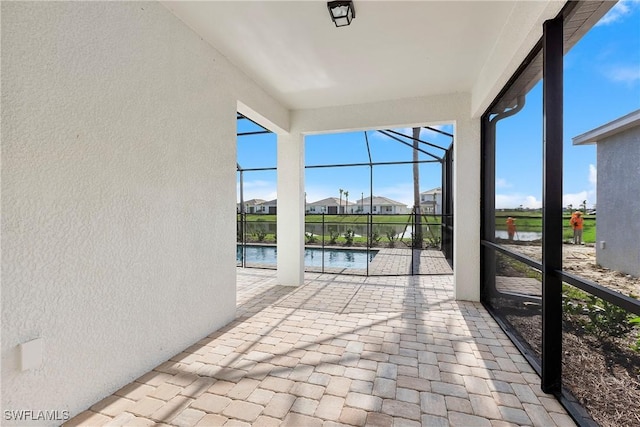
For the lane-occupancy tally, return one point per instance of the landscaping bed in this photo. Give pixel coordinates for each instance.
(601, 348)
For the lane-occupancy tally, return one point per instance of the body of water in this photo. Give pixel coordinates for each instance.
(336, 258)
(525, 236)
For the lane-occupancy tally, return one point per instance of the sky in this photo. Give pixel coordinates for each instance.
(602, 83)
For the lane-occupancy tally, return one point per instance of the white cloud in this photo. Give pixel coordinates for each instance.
(576, 199)
(623, 73)
(618, 12)
(514, 200)
(593, 176)
(589, 194)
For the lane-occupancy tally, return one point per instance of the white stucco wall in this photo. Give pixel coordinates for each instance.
(118, 194)
(466, 209)
(291, 209)
(618, 204)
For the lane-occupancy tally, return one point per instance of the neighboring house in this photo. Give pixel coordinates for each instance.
(431, 201)
(331, 205)
(381, 205)
(251, 206)
(618, 157)
(270, 207)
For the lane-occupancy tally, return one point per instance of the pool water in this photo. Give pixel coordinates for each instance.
(338, 258)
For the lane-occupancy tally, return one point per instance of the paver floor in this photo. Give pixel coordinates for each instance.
(519, 285)
(341, 350)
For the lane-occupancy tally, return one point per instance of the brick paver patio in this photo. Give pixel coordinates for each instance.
(341, 350)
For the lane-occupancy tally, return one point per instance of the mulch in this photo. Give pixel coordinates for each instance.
(603, 374)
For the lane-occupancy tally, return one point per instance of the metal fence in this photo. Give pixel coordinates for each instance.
(345, 243)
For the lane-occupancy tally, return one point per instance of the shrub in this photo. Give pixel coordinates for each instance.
(392, 237)
(635, 346)
(260, 233)
(311, 238)
(349, 235)
(433, 241)
(596, 316)
(374, 238)
(333, 236)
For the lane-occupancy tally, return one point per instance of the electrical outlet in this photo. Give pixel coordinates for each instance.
(31, 354)
(603, 244)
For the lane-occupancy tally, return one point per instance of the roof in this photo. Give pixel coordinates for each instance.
(608, 130)
(253, 202)
(330, 201)
(379, 200)
(436, 190)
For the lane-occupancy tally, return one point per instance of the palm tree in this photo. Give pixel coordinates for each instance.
(346, 201)
(340, 204)
(417, 226)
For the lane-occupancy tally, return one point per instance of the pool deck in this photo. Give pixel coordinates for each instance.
(340, 351)
(389, 262)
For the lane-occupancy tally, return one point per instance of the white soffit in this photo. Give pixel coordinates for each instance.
(392, 49)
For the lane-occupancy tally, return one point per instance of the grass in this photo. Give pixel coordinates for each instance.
(345, 219)
(532, 221)
(381, 224)
(525, 221)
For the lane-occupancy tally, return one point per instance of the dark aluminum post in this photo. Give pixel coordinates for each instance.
(369, 217)
(323, 235)
(488, 197)
(552, 211)
(243, 220)
(443, 199)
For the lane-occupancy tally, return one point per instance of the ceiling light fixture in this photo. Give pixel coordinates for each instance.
(342, 12)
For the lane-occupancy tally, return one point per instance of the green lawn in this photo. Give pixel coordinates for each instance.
(525, 221)
(345, 219)
(532, 221)
(262, 228)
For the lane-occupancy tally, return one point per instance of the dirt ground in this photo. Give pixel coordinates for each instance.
(606, 364)
(581, 261)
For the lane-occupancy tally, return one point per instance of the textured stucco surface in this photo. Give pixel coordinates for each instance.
(618, 202)
(118, 194)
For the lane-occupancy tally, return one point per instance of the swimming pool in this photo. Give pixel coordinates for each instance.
(334, 258)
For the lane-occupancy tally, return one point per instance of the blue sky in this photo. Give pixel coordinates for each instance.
(602, 83)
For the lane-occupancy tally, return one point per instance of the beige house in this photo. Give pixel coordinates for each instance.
(381, 205)
(252, 206)
(331, 205)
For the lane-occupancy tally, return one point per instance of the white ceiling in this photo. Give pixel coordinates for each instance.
(391, 50)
